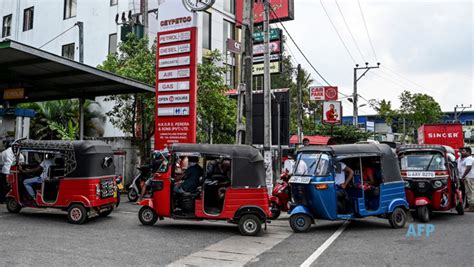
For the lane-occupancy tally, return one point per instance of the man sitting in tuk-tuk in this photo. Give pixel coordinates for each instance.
(43, 168)
(192, 175)
(343, 177)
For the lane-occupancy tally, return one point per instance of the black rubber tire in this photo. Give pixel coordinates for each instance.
(147, 216)
(398, 218)
(106, 213)
(12, 205)
(77, 214)
(250, 225)
(460, 208)
(132, 195)
(276, 211)
(423, 214)
(300, 223)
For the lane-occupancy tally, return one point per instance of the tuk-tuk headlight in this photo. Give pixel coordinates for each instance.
(407, 184)
(437, 184)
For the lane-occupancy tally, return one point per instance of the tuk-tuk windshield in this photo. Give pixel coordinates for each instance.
(423, 161)
(312, 164)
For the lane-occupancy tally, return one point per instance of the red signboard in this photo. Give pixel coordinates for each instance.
(332, 112)
(328, 93)
(441, 134)
(284, 10)
(176, 87)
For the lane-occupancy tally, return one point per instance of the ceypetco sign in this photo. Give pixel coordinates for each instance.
(172, 99)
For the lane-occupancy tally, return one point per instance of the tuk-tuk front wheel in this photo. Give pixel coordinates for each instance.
(300, 223)
(276, 211)
(423, 213)
(12, 205)
(397, 218)
(147, 216)
(132, 195)
(250, 225)
(77, 214)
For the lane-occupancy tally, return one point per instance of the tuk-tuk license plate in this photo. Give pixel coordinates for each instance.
(421, 174)
(300, 180)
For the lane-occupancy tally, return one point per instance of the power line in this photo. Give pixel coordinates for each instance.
(367, 31)
(299, 49)
(337, 32)
(58, 36)
(404, 77)
(350, 32)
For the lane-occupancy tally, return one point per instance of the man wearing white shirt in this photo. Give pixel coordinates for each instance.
(343, 176)
(8, 159)
(466, 174)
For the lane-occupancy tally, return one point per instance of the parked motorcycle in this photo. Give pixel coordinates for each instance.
(280, 196)
(138, 183)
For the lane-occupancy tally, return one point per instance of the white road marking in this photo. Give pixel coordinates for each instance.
(324, 246)
(236, 250)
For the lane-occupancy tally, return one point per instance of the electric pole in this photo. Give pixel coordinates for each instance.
(144, 11)
(456, 114)
(300, 107)
(267, 100)
(246, 77)
(355, 96)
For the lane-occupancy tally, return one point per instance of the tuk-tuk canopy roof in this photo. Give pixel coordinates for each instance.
(248, 169)
(88, 155)
(388, 159)
(440, 148)
(233, 151)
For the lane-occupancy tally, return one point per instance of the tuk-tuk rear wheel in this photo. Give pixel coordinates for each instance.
(12, 205)
(132, 195)
(147, 216)
(77, 214)
(397, 218)
(276, 211)
(250, 225)
(300, 223)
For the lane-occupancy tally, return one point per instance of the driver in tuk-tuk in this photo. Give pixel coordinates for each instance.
(344, 176)
(42, 168)
(192, 175)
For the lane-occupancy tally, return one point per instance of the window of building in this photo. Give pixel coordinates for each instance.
(206, 30)
(230, 76)
(7, 26)
(469, 122)
(113, 2)
(68, 51)
(229, 30)
(70, 7)
(112, 43)
(28, 19)
(229, 6)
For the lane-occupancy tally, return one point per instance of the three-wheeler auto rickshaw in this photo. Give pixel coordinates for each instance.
(81, 179)
(231, 187)
(431, 179)
(317, 196)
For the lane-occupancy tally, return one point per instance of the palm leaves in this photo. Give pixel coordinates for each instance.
(59, 119)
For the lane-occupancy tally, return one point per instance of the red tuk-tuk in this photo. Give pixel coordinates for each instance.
(81, 180)
(231, 187)
(431, 179)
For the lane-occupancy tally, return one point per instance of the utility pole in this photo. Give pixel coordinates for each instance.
(456, 114)
(144, 11)
(355, 96)
(267, 101)
(300, 108)
(80, 25)
(245, 88)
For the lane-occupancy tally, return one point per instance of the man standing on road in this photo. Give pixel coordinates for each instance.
(8, 159)
(466, 173)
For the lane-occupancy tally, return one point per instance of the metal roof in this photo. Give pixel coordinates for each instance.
(46, 76)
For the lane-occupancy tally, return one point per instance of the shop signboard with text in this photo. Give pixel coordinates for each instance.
(283, 10)
(328, 93)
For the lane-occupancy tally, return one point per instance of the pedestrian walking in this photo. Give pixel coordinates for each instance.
(8, 159)
(466, 173)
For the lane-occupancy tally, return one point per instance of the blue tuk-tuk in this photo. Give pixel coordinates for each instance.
(372, 185)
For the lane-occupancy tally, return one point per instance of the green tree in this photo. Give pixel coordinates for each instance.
(59, 119)
(135, 60)
(384, 110)
(216, 111)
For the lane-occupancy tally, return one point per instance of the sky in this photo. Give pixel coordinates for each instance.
(423, 46)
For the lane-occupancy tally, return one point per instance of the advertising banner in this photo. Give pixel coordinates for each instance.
(259, 69)
(283, 9)
(332, 112)
(327, 93)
